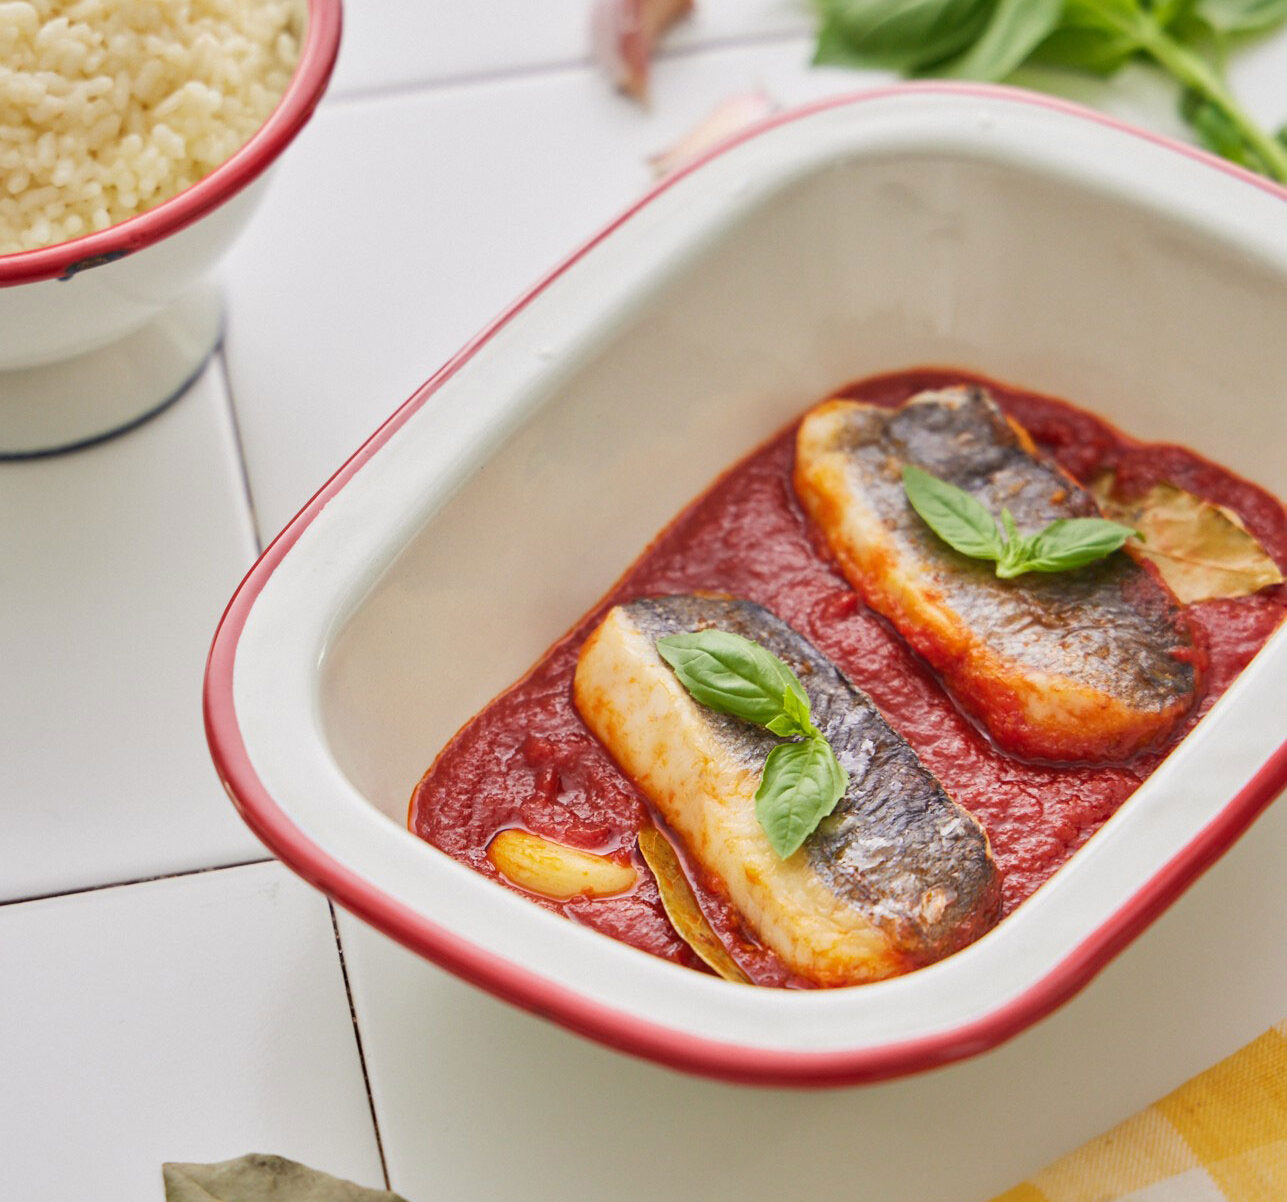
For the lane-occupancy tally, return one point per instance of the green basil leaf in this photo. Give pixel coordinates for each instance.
(991, 39)
(1169, 12)
(801, 782)
(1182, 24)
(963, 523)
(955, 516)
(795, 718)
(801, 785)
(908, 36)
(734, 675)
(1123, 17)
(1096, 36)
(1094, 51)
(1015, 551)
(1232, 17)
(1015, 30)
(1011, 528)
(834, 48)
(1071, 543)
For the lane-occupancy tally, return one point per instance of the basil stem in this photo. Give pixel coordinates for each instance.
(1192, 71)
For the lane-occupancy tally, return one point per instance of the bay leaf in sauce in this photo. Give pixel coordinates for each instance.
(680, 904)
(1202, 550)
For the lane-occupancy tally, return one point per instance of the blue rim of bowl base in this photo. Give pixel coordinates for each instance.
(92, 398)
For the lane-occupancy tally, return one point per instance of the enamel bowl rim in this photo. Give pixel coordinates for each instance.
(656, 1040)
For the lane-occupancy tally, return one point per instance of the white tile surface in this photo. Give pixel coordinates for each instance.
(192, 1019)
(479, 1101)
(1258, 77)
(396, 43)
(115, 563)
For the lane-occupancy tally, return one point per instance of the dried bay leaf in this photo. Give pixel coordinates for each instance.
(1202, 550)
(680, 904)
(259, 1177)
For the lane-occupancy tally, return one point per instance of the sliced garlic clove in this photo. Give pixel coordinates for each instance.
(554, 870)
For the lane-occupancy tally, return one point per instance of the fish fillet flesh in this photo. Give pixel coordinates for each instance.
(1088, 665)
(897, 876)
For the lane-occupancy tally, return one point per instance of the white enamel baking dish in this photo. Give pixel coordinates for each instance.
(978, 227)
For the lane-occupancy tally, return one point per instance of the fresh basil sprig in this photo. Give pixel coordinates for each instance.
(1188, 40)
(962, 522)
(802, 780)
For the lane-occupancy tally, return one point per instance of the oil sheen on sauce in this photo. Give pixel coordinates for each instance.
(527, 761)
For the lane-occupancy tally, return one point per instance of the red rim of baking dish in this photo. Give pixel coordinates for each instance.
(312, 73)
(627, 1032)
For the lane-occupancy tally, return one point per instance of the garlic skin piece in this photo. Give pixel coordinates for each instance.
(554, 870)
(623, 34)
(727, 118)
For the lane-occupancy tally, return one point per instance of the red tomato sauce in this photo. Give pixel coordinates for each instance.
(528, 761)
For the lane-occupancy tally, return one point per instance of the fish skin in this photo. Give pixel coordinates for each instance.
(1090, 665)
(897, 876)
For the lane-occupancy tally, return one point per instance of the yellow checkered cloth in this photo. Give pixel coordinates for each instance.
(1221, 1137)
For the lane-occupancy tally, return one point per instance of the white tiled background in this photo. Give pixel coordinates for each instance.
(463, 149)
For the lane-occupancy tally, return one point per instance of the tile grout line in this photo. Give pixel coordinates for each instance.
(466, 79)
(551, 67)
(257, 536)
(140, 880)
(357, 1038)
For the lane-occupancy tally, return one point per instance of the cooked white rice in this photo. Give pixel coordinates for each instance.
(108, 107)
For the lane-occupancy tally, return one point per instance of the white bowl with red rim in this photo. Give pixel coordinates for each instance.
(98, 332)
(1006, 233)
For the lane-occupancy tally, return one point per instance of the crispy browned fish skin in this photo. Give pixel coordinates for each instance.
(1089, 665)
(898, 876)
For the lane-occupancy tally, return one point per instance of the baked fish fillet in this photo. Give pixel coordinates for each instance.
(1087, 665)
(899, 875)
